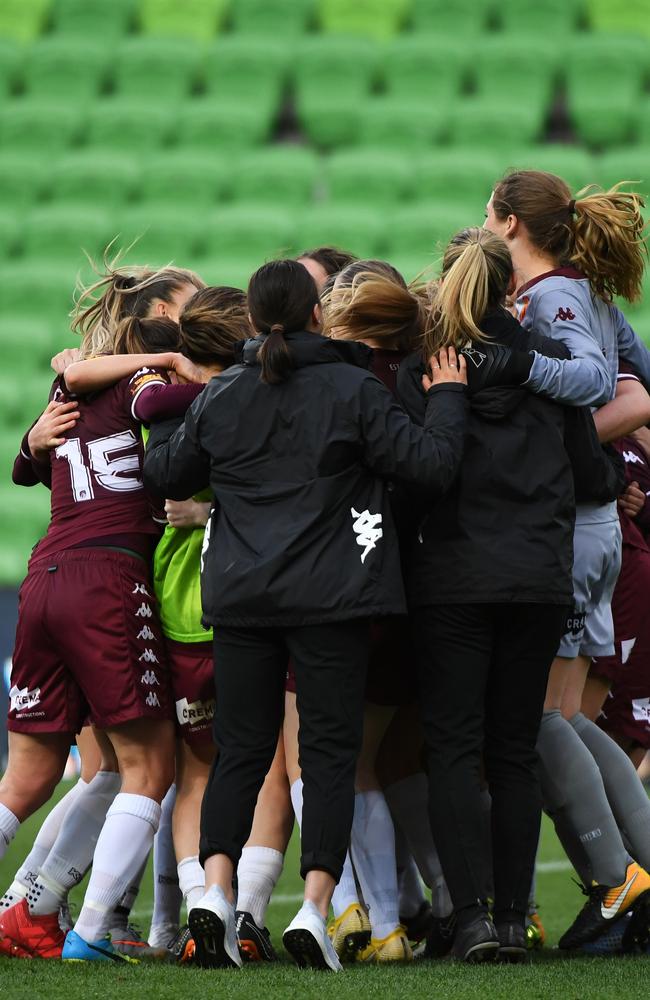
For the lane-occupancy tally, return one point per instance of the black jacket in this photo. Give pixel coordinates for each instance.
(504, 532)
(302, 530)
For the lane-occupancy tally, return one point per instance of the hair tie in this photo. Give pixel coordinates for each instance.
(123, 282)
(572, 206)
(277, 328)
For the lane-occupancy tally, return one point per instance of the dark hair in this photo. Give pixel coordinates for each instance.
(331, 259)
(281, 298)
(212, 322)
(157, 335)
(370, 299)
(601, 233)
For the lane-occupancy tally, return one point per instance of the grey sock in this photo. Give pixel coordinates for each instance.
(626, 794)
(573, 791)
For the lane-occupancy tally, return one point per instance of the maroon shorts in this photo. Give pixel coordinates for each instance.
(630, 611)
(88, 642)
(192, 678)
(626, 711)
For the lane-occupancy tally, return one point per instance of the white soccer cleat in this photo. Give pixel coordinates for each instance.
(307, 941)
(212, 925)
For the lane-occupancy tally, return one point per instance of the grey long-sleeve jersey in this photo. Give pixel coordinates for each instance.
(562, 305)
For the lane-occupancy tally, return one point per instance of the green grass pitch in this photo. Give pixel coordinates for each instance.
(547, 976)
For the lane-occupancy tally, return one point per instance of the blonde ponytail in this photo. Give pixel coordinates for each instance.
(375, 304)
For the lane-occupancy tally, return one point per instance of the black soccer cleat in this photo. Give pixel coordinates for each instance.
(181, 947)
(476, 942)
(254, 942)
(513, 944)
(606, 904)
(418, 926)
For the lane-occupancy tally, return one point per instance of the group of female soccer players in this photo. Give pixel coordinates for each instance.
(343, 550)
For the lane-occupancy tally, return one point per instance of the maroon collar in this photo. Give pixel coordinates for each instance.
(560, 272)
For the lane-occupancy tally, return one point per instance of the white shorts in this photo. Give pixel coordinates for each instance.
(596, 565)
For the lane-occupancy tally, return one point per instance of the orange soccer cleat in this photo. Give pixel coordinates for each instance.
(27, 936)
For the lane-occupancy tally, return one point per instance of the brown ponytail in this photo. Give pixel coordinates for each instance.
(601, 234)
(371, 301)
(146, 336)
(282, 296)
(211, 323)
(476, 271)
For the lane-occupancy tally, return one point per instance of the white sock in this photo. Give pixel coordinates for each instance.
(408, 800)
(123, 844)
(296, 800)
(122, 912)
(409, 883)
(191, 881)
(346, 892)
(257, 876)
(372, 847)
(8, 826)
(72, 852)
(26, 875)
(167, 896)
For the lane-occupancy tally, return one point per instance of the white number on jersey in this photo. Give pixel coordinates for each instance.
(104, 467)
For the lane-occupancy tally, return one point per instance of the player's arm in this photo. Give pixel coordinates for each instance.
(32, 464)
(631, 349)
(629, 410)
(99, 373)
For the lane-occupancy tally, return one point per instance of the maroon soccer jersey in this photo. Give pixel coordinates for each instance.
(385, 365)
(97, 488)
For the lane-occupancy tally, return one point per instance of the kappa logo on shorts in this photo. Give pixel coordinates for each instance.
(148, 656)
(366, 527)
(641, 710)
(575, 624)
(149, 678)
(152, 700)
(145, 633)
(23, 698)
(631, 458)
(141, 589)
(194, 711)
(144, 611)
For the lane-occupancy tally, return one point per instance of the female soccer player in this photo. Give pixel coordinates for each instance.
(571, 256)
(299, 555)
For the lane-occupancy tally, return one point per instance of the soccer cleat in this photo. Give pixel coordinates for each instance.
(182, 947)
(307, 941)
(212, 925)
(535, 933)
(418, 926)
(476, 942)
(160, 935)
(439, 940)
(254, 942)
(76, 949)
(28, 936)
(128, 941)
(394, 947)
(604, 905)
(350, 933)
(66, 923)
(513, 944)
(610, 942)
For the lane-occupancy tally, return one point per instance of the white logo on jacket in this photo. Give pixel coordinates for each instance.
(641, 710)
(367, 528)
(23, 698)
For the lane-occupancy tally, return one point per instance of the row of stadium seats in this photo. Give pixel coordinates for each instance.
(426, 67)
(202, 19)
(282, 175)
(393, 123)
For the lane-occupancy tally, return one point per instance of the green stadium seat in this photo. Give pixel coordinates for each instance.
(643, 121)
(66, 232)
(43, 287)
(361, 231)
(228, 270)
(368, 18)
(204, 124)
(62, 67)
(271, 18)
(23, 178)
(417, 268)
(380, 177)
(525, 65)
(251, 70)
(430, 66)
(488, 125)
(197, 19)
(329, 122)
(12, 235)
(12, 62)
(25, 398)
(605, 66)
(156, 68)
(26, 340)
(459, 19)
(338, 68)
(39, 126)
(281, 175)
(573, 163)
(93, 177)
(604, 120)
(93, 18)
(23, 20)
(132, 126)
(459, 175)
(249, 232)
(161, 233)
(401, 124)
(25, 516)
(631, 17)
(561, 17)
(426, 228)
(186, 175)
(627, 164)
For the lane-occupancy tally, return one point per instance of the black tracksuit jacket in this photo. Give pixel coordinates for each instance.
(301, 531)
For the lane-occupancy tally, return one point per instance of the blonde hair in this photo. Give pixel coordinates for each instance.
(476, 270)
(371, 300)
(599, 232)
(120, 292)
